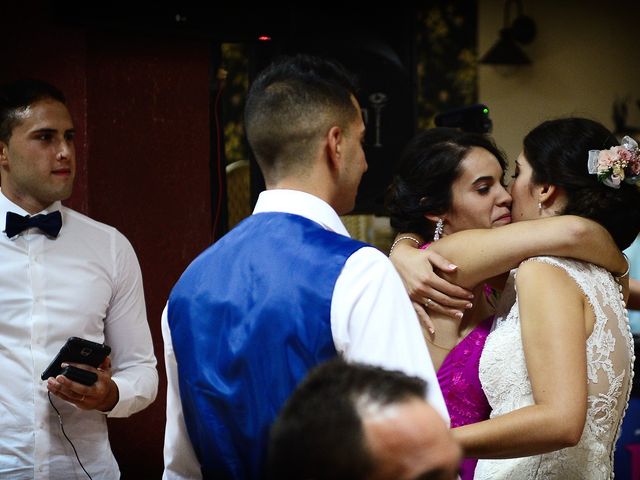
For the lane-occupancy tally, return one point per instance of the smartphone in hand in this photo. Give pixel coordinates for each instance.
(77, 350)
(79, 375)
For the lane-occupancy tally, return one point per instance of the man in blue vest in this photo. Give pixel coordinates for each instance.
(286, 289)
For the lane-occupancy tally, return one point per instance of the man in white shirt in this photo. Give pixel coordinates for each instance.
(287, 288)
(61, 275)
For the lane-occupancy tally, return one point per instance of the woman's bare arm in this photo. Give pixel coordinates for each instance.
(418, 269)
(555, 355)
(483, 254)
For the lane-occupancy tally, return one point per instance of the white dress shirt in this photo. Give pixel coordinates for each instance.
(85, 283)
(372, 321)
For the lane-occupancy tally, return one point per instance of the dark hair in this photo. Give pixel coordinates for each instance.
(557, 151)
(18, 96)
(319, 433)
(427, 168)
(293, 102)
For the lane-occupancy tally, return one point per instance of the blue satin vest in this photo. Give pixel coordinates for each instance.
(248, 318)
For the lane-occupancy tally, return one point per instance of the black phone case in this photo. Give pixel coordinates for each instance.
(77, 350)
(79, 375)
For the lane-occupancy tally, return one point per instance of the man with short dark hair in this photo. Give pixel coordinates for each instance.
(62, 274)
(356, 422)
(287, 288)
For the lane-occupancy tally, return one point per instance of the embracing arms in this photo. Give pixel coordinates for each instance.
(483, 254)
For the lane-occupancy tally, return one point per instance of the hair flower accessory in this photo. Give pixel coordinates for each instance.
(617, 164)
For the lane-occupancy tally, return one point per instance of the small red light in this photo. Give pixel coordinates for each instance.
(264, 38)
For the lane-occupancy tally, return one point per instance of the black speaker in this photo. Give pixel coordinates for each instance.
(472, 118)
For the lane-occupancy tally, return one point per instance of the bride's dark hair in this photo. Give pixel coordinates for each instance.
(557, 151)
(427, 168)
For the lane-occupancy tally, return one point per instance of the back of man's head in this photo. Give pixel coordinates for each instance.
(17, 96)
(319, 433)
(291, 105)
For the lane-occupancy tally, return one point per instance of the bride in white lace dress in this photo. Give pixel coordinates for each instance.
(557, 368)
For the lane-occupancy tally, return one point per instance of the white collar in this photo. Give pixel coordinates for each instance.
(7, 205)
(300, 203)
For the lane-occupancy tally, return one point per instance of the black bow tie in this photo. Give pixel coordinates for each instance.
(49, 223)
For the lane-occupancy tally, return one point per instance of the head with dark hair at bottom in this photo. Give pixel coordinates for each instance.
(352, 421)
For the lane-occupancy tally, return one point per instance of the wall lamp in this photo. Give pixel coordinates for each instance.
(506, 50)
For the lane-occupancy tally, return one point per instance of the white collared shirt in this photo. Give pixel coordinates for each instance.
(372, 321)
(85, 283)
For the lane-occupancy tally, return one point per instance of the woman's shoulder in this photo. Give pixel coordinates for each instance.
(584, 274)
(570, 265)
(542, 267)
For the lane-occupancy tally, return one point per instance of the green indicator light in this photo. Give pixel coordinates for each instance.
(485, 111)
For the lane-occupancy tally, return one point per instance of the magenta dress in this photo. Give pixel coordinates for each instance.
(460, 383)
(461, 388)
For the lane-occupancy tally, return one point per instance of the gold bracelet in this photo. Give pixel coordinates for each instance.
(406, 237)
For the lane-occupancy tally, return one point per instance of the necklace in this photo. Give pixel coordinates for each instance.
(448, 349)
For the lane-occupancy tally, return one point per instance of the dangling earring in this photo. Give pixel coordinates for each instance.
(438, 232)
(539, 208)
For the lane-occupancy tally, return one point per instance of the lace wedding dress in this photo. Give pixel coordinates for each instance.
(504, 378)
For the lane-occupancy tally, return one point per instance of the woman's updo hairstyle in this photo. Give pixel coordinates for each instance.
(558, 150)
(427, 168)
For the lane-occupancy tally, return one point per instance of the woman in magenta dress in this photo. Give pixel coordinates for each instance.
(447, 182)
(462, 174)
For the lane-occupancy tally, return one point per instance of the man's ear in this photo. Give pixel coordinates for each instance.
(4, 154)
(334, 146)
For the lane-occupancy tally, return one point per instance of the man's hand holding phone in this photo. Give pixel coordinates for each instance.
(102, 395)
(81, 374)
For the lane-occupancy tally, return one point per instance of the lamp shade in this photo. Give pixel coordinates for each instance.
(506, 51)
